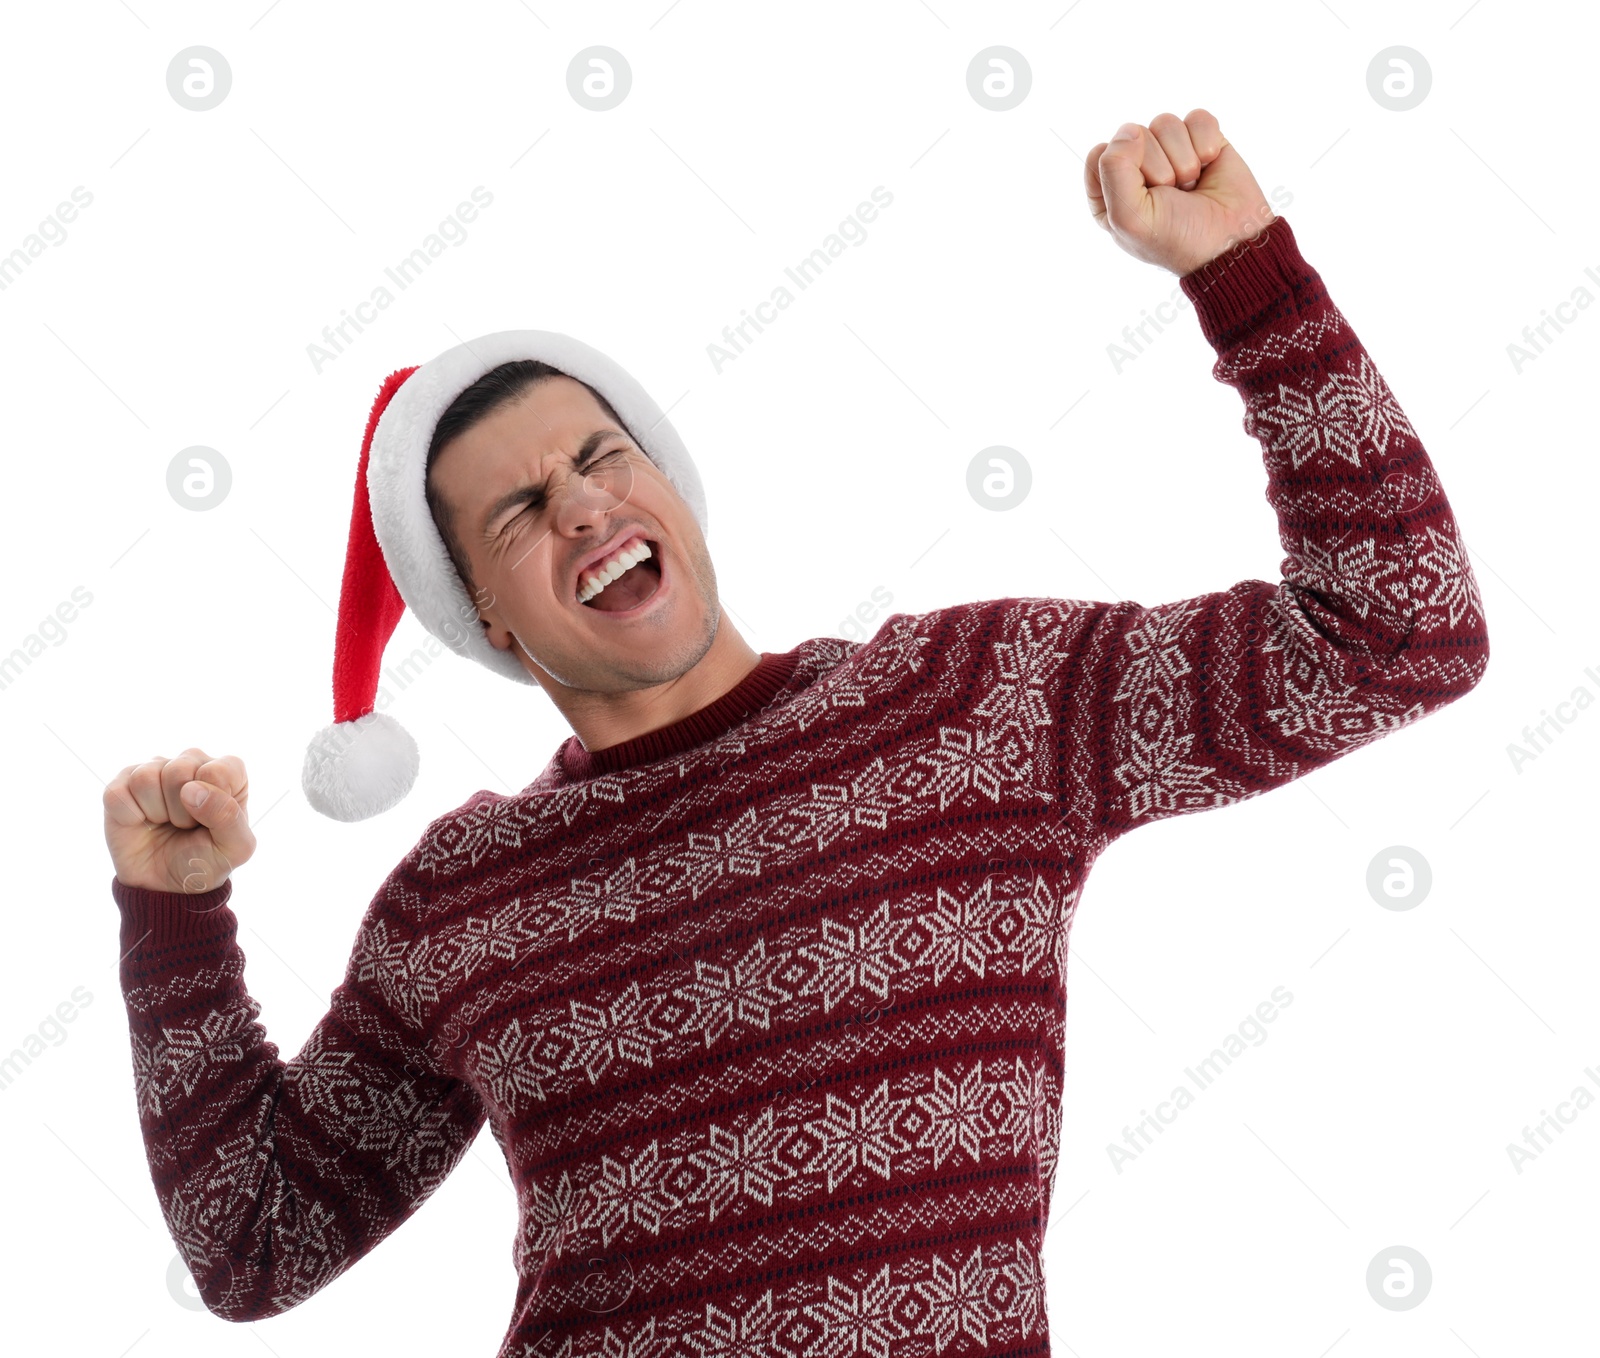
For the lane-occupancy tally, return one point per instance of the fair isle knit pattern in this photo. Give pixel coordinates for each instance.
(766, 1009)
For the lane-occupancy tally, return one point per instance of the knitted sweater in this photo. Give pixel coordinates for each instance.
(765, 1008)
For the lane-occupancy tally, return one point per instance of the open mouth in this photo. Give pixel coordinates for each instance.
(630, 591)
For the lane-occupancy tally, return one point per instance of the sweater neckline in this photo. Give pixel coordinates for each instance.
(742, 701)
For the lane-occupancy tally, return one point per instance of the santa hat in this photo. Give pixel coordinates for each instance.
(366, 762)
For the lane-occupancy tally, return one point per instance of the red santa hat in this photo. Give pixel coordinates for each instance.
(366, 762)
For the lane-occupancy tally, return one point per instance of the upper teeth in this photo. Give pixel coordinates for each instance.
(591, 582)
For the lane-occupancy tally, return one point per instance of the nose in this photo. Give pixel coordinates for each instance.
(586, 495)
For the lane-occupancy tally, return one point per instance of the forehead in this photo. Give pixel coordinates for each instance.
(541, 418)
(517, 440)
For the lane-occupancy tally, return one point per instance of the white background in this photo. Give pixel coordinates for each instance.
(218, 245)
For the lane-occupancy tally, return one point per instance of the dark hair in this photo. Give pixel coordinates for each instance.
(496, 388)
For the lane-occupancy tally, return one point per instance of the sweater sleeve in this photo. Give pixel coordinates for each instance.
(1376, 622)
(274, 1177)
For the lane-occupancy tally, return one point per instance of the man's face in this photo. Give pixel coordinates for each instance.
(540, 487)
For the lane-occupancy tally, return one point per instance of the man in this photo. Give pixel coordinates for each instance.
(760, 985)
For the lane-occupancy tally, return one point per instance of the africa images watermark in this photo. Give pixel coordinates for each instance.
(1537, 1139)
(1538, 338)
(453, 229)
(803, 273)
(1538, 737)
(52, 230)
(1203, 1074)
(853, 626)
(50, 1030)
(52, 628)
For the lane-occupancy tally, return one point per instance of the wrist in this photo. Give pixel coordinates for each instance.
(1247, 237)
(1244, 288)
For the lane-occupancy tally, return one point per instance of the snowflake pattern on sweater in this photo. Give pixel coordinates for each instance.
(766, 1010)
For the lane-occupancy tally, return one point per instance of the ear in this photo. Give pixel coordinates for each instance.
(494, 631)
(488, 618)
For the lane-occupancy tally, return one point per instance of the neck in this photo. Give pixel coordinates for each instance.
(601, 720)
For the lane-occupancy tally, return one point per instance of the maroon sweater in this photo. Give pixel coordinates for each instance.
(765, 1008)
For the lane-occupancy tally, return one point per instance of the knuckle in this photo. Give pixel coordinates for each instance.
(230, 767)
(1203, 127)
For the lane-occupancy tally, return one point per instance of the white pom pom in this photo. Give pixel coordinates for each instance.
(356, 769)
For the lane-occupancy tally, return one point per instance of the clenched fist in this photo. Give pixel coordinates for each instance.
(1175, 193)
(179, 824)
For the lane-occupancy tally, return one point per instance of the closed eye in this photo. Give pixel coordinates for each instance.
(536, 498)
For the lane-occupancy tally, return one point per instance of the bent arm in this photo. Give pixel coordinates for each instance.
(275, 1177)
(1377, 619)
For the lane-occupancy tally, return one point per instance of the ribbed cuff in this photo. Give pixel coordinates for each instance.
(155, 918)
(1258, 281)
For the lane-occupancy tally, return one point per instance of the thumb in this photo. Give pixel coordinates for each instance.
(1128, 202)
(222, 815)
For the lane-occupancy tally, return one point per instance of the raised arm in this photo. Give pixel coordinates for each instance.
(1377, 620)
(274, 1177)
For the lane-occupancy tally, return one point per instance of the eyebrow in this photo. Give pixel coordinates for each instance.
(585, 451)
